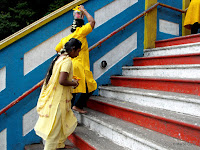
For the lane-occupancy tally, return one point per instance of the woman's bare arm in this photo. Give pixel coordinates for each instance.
(88, 16)
(63, 80)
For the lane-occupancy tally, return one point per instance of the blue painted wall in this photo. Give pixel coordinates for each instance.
(169, 15)
(108, 27)
(17, 83)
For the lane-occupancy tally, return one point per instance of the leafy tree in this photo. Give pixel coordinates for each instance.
(15, 19)
(57, 4)
(22, 14)
(17, 14)
(7, 26)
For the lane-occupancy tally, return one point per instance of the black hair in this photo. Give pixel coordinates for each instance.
(77, 23)
(68, 47)
(72, 44)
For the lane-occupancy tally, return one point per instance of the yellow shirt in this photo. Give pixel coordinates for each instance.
(53, 95)
(193, 14)
(81, 64)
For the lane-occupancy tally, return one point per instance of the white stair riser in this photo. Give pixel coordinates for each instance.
(173, 50)
(150, 101)
(131, 142)
(164, 73)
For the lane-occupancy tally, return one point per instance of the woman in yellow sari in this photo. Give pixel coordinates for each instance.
(192, 18)
(56, 119)
(81, 64)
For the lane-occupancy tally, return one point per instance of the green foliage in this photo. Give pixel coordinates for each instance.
(57, 4)
(17, 14)
(21, 14)
(7, 26)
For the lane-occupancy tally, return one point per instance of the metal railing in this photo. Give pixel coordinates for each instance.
(91, 48)
(21, 97)
(133, 20)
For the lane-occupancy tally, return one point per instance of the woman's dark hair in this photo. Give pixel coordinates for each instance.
(68, 47)
(71, 44)
(77, 23)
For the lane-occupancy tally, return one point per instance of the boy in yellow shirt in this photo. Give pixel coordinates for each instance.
(81, 64)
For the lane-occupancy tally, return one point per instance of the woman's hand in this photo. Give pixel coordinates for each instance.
(82, 9)
(88, 16)
(76, 82)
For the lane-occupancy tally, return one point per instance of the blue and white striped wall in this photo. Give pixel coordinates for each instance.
(24, 63)
(169, 22)
(127, 43)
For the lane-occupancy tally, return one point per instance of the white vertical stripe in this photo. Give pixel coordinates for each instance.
(2, 78)
(3, 140)
(115, 55)
(168, 27)
(109, 11)
(29, 121)
(43, 52)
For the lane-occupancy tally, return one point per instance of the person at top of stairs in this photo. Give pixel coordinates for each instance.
(192, 18)
(56, 119)
(81, 64)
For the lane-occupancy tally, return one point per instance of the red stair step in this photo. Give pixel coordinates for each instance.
(80, 143)
(173, 128)
(168, 60)
(178, 40)
(169, 85)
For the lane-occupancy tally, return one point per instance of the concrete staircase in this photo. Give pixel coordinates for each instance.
(155, 104)
(40, 146)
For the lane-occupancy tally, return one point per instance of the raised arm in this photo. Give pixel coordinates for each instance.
(88, 16)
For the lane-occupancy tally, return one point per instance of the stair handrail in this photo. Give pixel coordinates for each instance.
(21, 97)
(91, 48)
(133, 20)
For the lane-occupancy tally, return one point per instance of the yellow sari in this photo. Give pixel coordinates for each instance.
(54, 96)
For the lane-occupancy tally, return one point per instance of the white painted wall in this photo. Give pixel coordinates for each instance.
(43, 51)
(119, 52)
(109, 11)
(168, 27)
(29, 121)
(2, 78)
(3, 140)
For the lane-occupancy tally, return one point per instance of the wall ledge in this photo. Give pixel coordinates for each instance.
(39, 23)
